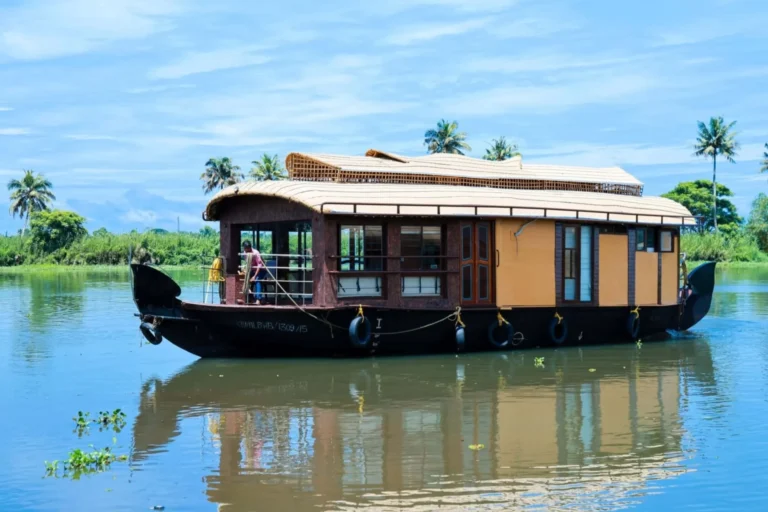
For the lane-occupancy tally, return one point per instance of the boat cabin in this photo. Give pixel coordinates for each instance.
(440, 231)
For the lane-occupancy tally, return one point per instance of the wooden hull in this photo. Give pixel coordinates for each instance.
(235, 331)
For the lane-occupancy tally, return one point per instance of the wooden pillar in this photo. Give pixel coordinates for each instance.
(631, 266)
(393, 248)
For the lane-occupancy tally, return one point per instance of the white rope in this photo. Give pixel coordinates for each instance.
(452, 316)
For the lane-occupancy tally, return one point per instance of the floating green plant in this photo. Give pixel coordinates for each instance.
(81, 462)
(538, 362)
(639, 343)
(82, 422)
(115, 419)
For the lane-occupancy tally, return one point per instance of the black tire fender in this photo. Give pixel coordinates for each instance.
(558, 330)
(507, 329)
(151, 333)
(633, 325)
(360, 332)
(461, 340)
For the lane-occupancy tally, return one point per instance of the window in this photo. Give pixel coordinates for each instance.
(577, 264)
(361, 248)
(665, 241)
(646, 239)
(424, 241)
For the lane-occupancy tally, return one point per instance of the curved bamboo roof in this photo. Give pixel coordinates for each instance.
(449, 169)
(452, 200)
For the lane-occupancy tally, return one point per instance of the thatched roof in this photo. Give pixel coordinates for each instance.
(451, 200)
(382, 167)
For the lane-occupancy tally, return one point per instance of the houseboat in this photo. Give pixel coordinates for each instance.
(390, 254)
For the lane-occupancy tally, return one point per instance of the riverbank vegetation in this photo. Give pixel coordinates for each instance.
(104, 248)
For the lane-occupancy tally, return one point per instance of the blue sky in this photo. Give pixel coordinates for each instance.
(120, 103)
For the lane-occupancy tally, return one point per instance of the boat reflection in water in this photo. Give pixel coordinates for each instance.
(592, 429)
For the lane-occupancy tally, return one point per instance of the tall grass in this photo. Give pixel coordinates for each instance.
(737, 247)
(110, 249)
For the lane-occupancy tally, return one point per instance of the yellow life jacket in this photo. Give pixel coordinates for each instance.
(215, 273)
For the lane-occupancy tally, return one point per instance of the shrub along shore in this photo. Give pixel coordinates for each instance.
(104, 248)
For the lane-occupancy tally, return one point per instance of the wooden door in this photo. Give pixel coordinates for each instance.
(476, 263)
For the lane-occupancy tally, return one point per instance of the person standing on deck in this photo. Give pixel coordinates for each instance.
(258, 269)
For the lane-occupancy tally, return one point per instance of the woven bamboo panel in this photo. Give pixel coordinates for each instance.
(306, 169)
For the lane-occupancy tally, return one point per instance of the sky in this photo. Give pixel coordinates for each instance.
(121, 103)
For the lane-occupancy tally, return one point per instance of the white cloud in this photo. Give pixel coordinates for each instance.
(459, 5)
(158, 88)
(139, 216)
(53, 28)
(544, 62)
(5, 109)
(14, 131)
(603, 89)
(709, 29)
(412, 34)
(205, 62)
(83, 136)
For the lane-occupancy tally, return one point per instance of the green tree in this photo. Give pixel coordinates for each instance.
(716, 139)
(446, 139)
(54, 229)
(764, 166)
(29, 195)
(696, 196)
(208, 231)
(501, 150)
(220, 173)
(758, 221)
(268, 169)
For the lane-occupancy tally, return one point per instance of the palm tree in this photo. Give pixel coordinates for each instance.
(501, 150)
(716, 139)
(268, 169)
(445, 139)
(30, 194)
(220, 173)
(764, 167)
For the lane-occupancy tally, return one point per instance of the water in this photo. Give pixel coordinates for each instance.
(671, 425)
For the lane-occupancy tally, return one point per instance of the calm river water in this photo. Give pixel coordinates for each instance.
(663, 426)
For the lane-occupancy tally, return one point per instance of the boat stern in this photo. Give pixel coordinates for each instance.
(696, 295)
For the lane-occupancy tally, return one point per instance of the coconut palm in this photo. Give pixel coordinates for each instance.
(501, 150)
(220, 173)
(446, 139)
(267, 169)
(716, 139)
(30, 194)
(764, 167)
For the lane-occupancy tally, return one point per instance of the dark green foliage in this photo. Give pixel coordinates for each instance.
(758, 221)
(697, 197)
(80, 463)
(29, 195)
(220, 173)
(268, 168)
(104, 248)
(501, 150)
(716, 138)
(735, 247)
(445, 139)
(54, 229)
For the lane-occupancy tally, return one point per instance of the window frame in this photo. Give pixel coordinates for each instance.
(576, 301)
(421, 257)
(651, 239)
(671, 241)
(365, 259)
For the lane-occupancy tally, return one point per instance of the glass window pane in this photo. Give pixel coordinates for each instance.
(585, 258)
(482, 274)
(410, 247)
(373, 245)
(568, 268)
(466, 282)
(570, 237)
(666, 241)
(432, 247)
(482, 241)
(350, 247)
(640, 239)
(466, 243)
(570, 289)
(650, 239)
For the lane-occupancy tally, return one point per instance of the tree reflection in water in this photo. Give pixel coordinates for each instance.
(395, 433)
